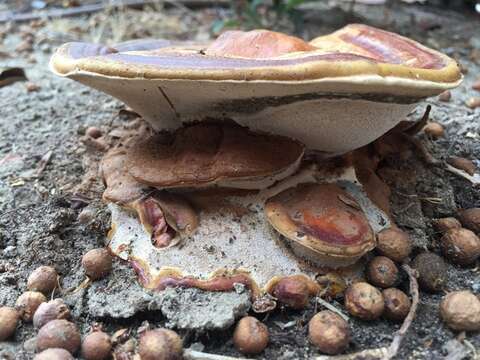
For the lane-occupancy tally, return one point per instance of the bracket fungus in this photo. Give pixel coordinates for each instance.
(252, 172)
(335, 93)
(322, 223)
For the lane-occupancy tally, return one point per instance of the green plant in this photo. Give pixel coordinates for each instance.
(252, 14)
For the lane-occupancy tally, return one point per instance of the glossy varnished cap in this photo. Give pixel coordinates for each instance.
(356, 50)
(322, 222)
(213, 154)
(334, 94)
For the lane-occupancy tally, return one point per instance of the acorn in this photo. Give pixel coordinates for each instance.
(250, 336)
(97, 263)
(473, 102)
(43, 279)
(461, 246)
(93, 132)
(28, 303)
(397, 304)
(434, 130)
(160, 344)
(54, 354)
(432, 271)
(48, 311)
(8, 322)
(97, 346)
(463, 164)
(333, 284)
(394, 244)
(476, 85)
(445, 224)
(125, 350)
(59, 334)
(364, 301)
(382, 272)
(445, 96)
(292, 292)
(329, 332)
(470, 218)
(461, 311)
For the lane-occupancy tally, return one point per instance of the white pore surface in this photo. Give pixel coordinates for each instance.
(226, 241)
(223, 240)
(334, 125)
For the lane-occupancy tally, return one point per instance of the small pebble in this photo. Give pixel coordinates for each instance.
(86, 215)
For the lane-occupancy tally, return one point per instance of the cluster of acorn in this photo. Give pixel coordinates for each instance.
(330, 332)
(460, 244)
(57, 338)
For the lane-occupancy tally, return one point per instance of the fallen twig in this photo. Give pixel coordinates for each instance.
(332, 308)
(43, 163)
(371, 354)
(475, 180)
(398, 338)
(93, 8)
(419, 125)
(198, 355)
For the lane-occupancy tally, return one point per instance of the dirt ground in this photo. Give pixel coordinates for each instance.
(39, 209)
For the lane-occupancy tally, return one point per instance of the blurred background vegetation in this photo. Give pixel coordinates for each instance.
(111, 21)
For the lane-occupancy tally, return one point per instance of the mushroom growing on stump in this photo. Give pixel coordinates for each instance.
(322, 223)
(334, 94)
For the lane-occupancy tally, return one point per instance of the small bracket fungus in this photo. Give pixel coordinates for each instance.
(209, 154)
(322, 223)
(335, 93)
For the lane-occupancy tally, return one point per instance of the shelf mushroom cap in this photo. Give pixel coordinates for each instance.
(207, 154)
(322, 223)
(335, 93)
